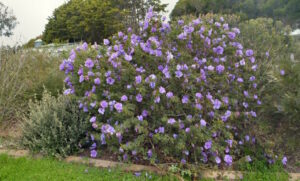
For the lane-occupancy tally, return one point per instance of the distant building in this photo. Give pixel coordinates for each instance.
(296, 32)
(38, 43)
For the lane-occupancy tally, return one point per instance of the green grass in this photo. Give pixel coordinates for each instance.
(259, 170)
(27, 169)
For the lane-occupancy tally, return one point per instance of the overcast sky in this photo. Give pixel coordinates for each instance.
(32, 17)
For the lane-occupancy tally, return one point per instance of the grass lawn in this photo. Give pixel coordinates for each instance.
(28, 169)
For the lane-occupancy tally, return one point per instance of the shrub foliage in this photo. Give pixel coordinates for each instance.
(185, 92)
(54, 126)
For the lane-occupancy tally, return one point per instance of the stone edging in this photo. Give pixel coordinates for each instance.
(210, 174)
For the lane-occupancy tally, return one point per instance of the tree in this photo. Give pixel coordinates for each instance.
(136, 10)
(287, 11)
(7, 21)
(77, 20)
(93, 20)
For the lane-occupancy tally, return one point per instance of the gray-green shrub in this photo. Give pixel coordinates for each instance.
(54, 126)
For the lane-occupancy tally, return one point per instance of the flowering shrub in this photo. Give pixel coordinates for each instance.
(172, 93)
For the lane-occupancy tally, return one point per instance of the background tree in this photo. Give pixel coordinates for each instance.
(7, 21)
(77, 20)
(93, 20)
(136, 10)
(287, 11)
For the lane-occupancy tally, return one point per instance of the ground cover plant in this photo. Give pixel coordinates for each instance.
(190, 86)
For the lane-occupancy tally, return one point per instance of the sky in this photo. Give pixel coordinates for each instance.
(32, 17)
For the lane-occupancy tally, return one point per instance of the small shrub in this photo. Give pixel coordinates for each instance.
(54, 126)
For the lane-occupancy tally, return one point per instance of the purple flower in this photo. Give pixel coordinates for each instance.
(245, 104)
(101, 111)
(97, 81)
(183, 161)
(247, 138)
(208, 144)
(210, 68)
(218, 160)
(149, 153)
(137, 174)
(220, 69)
(284, 160)
(242, 62)
(80, 71)
(106, 42)
(93, 119)
(152, 85)
(133, 152)
(93, 153)
(119, 107)
(102, 138)
(216, 104)
(128, 57)
(104, 104)
(252, 78)
(162, 90)
(249, 53)
(198, 95)
(139, 98)
(171, 121)
(198, 106)
(161, 130)
(68, 91)
(138, 79)
(124, 98)
(145, 113)
(187, 130)
(231, 35)
(140, 118)
(228, 159)
(253, 114)
(89, 63)
(81, 78)
(84, 46)
(240, 80)
(282, 72)
(186, 152)
(110, 81)
(248, 158)
(107, 129)
(246, 94)
(178, 74)
(202, 122)
(218, 50)
(229, 143)
(185, 99)
(180, 22)
(157, 99)
(169, 94)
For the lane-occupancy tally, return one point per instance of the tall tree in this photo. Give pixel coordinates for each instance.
(8, 21)
(93, 20)
(88, 20)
